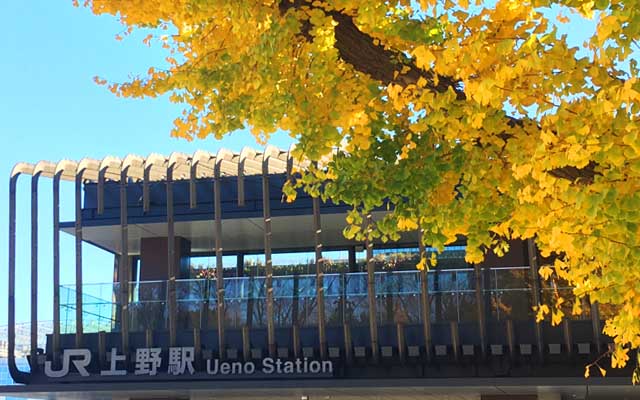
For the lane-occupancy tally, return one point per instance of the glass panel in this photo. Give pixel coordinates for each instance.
(549, 296)
(510, 293)
(336, 261)
(147, 309)
(100, 311)
(306, 311)
(452, 295)
(398, 297)
(334, 288)
(190, 303)
(245, 302)
(204, 267)
(211, 308)
(356, 306)
(284, 288)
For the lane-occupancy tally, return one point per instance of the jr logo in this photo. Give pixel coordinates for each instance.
(81, 362)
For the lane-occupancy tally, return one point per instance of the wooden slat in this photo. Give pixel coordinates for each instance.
(425, 308)
(123, 265)
(317, 234)
(266, 209)
(171, 270)
(371, 294)
(219, 267)
(480, 310)
(535, 294)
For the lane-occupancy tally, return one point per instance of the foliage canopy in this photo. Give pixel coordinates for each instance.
(466, 119)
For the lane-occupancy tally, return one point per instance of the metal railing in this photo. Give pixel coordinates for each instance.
(452, 297)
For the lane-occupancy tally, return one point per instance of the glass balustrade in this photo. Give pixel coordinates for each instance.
(245, 302)
(452, 297)
(100, 310)
(191, 303)
(398, 297)
(147, 305)
(510, 293)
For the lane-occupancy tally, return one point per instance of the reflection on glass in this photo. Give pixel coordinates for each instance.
(510, 293)
(100, 311)
(452, 297)
(398, 297)
(356, 306)
(147, 307)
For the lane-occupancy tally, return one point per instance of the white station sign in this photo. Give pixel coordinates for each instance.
(148, 361)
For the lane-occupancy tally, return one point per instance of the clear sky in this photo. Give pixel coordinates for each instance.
(51, 109)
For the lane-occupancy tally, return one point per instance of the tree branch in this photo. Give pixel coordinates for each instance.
(359, 50)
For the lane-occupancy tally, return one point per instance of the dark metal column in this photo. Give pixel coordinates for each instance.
(34, 271)
(17, 375)
(171, 270)
(78, 232)
(55, 346)
(100, 190)
(123, 274)
(266, 210)
(353, 266)
(424, 299)
(146, 198)
(317, 233)
(219, 265)
(371, 293)
(595, 322)
(193, 195)
(482, 320)
(535, 293)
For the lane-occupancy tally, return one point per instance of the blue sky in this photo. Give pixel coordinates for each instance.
(51, 109)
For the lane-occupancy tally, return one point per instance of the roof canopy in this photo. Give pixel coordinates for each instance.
(156, 167)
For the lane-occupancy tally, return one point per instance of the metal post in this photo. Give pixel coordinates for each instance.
(511, 339)
(34, 271)
(219, 267)
(455, 339)
(424, 301)
(55, 346)
(401, 340)
(482, 326)
(146, 196)
(566, 333)
(535, 293)
(171, 272)
(595, 322)
(371, 293)
(123, 274)
(100, 190)
(17, 375)
(353, 266)
(266, 210)
(193, 194)
(78, 232)
(317, 229)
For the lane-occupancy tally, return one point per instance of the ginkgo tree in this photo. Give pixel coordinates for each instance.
(477, 119)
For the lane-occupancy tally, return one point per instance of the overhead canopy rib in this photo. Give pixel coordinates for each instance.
(199, 165)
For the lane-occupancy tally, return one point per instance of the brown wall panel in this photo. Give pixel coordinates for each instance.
(153, 258)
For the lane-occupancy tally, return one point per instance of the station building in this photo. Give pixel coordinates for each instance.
(223, 290)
